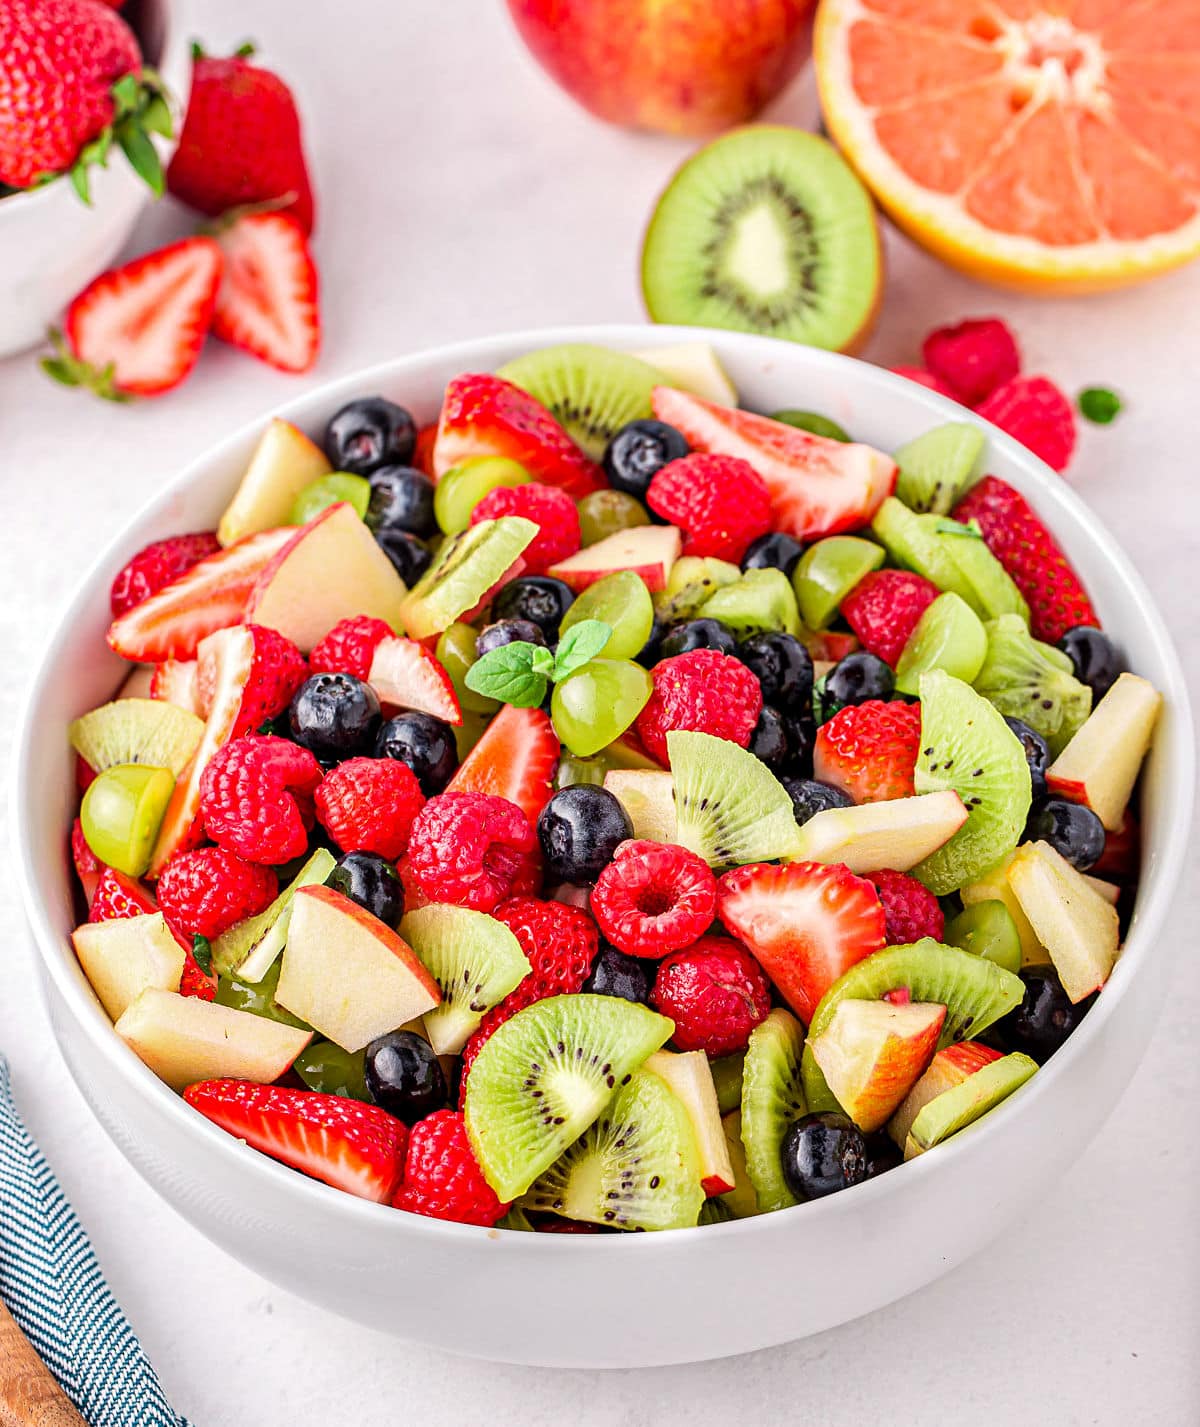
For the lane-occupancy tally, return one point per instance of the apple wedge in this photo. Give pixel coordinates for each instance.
(690, 1079)
(283, 463)
(873, 1052)
(1079, 929)
(993, 887)
(124, 955)
(948, 1068)
(694, 367)
(250, 948)
(647, 550)
(868, 837)
(1100, 764)
(649, 799)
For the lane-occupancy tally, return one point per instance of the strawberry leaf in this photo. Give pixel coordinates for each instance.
(143, 157)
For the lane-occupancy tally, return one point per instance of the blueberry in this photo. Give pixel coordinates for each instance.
(408, 556)
(697, 634)
(508, 631)
(369, 433)
(1045, 1019)
(1073, 831)
(615, 974)
(882, 1154)
(1095, 657)
(769, 740)
(401, 499)
(821, 1154)
(334, 716)
(782, 666)
(801, 730)
(371, 881)
(426, 744)
(810, 797)
(404, 1077)
(638, 452)
(773, 551)
(651, 652)
(1037, 754)
(580, 828)
(854, 680)
(539, 598)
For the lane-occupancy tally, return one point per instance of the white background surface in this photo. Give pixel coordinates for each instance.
(461, 194)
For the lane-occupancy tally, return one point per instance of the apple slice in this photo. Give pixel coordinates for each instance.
(948, 1068)
(742, 1199)
(1079, 929)
(993, 887)
(872, 1054)
(283, 463)
(124, 955)
(405, 675)
(174, 681)
(184, 1039)
(647, 550)
(694, 367)
(649, 799)
(1108, 890)
(137, 685)
(249, 949)
(868, 837)
(348, 974)
(1100, 764)
(690, 1079)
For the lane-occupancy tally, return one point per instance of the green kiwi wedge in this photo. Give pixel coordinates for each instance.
(635, 1167)
(727, 1078)
(962, 1105)
(813, 422)
(766, 230)
(760, 600)
(938, 467)
(772, 1100)
(692, 581)
(590, 391)
(729, 808)
(465, 571)
(1029, 680)
(148, 731)
(545, 1075)
(716, 1211)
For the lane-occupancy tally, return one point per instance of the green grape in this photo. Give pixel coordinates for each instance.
(122, 811)
(257, 997)
(573, 770)
(814, 422)
(727, 1078)
(950, 636)
(596, 703)
(987, 929)
(468, 733)
(462, 488)
(328, 490)
(623, 602)
(603, 513)
(328, 1068)
(456, 653)
(828, 571)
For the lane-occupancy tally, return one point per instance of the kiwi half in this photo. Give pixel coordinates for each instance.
(1029, 680)
(544, 1076)
(729, 808)
(772, 1100)
(766, 230)
(149, 731)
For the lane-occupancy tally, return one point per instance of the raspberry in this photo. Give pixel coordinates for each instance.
(551, 510)
(474, 850)
(924, 378)
(715, 992)
(350, 646)
(883, 610)
(205, 892)
(119, 896)
(157, 565)
(256, 798)
(442, 1178)
(704, 691)
(1034, 412)
(912, 911)
(972, 359)
(368, 805)
(277, 669)
(654, 897)
(869, 750)
(720, 502)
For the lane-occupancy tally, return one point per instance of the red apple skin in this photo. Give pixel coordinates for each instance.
(677, 66)
(715, 1184)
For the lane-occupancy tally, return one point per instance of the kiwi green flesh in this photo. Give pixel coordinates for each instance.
(938, 467)
(635, 1167)
(765, 230)
(465, 568)
(963, 1104)
(590, 391)
(147, 731)
(761, 600)
(692, 581)
(975, 993)
(729, 808)
(727, 1078)
(772, 1100)
(245, 947)
(1029, 680)
(545, 1075)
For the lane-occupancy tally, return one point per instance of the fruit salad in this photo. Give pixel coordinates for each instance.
(603, 808)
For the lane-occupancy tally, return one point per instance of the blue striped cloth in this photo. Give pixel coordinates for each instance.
(52, 1284)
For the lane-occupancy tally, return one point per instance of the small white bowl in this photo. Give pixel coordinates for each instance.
(52, 244)
(640, 1299)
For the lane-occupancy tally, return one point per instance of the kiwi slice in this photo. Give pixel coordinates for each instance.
(949, 635)
(545, 1075)
(517, 1219)
(466, 569)
(760, 600)
(251, 948)
(729, 808)
(635, 1167)
(692, 581)
(475, 960)
(716, 1211)
(1029, 680)
(772, 1100)
(591, 391)
(975, 993)
(967, 746)
(963, 1104)
(939, 466)
(149, 731)
(813, 422)
(766, 230)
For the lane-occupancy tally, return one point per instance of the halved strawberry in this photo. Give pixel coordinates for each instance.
(515, 759)
(422, 457)
(817, 486)
(869, 750)
(119, 896)
(483, 415)
(175, 682)
(406, 675)
(267, 303)
(807, 923)
(884, 607)
(353, 1146)
(211, 595)
(88, 867)
(155, 566)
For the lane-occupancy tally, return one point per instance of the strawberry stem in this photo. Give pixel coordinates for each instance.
(140, 108)
(65, 367)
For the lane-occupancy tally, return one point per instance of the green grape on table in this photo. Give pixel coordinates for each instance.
(257, 997)
(462, 488)
(987, 929)
(328, 490)
(456, 653)
(122, 811)
(622, 601)
(328, 1068)
(598, 702)
(603, 513)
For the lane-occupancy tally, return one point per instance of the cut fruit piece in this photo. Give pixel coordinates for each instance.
(766, 230)
(283, 463)
(122, 812)
(647, 550)
(939, 466)
(346, 973)
(993, 885)
(1100, 765)
(622, 601)
(897, 833)
(1108, 890)
(742, 1199)
(986, 929)
(136, 731)
(598, 702)
(950, 636)
(174, 681)
(475, 960)
(184, 1039)
(729, 808)
(649, 799)
(761, 600)
(949, 1068)
(872, 1053)
(1032, 681)
(545, 1075)
(1079, 929)
(466, 570)
(462, 488)
(406, 676)
(516, 758)
(828, 571)
(955, 1109)
(688, 1075)
(250, 948)
(138, 684)
(727, 1072)
(123, 956)
(692, 580)
(257, 997)
(772, 1101)
(694, 367)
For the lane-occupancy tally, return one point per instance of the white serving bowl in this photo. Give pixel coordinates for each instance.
(645, 1298)
(51, 243)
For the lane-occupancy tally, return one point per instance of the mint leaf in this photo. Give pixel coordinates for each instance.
(202, 953)
(542, 661)
(583, 641)
(1099, 404)
(515, 674)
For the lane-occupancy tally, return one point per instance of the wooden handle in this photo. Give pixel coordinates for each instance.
(29, 1395)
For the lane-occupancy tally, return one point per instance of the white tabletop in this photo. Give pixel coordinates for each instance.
(460, 194)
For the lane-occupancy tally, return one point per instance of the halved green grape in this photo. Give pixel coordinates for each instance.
(328, 490)
(949, 635)
(456, 653)
(596, 703)
(987, 929)
(812, 421)
(121, 814)
(462, 488)
(622, 601)
(257, 997)
(603, 513)
(828, 571)
(328, 1068)
(572, 770)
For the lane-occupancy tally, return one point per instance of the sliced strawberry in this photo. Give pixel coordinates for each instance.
(807, 923)
(884, 607)
(175, 682)
(869, 750)
(483, 415)
(406, 675)
(818, 486)
(515, 759)
(211, 595)
(276, 671)
(88, 867)
(267, 303)
(119, 896)
(355, 1147)
(154, 567)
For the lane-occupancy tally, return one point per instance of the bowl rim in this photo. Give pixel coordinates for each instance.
(1056, 499)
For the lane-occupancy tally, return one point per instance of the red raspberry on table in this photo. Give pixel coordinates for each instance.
(869, 750)
(973, 358)
(119, 896)
(551, 510)
(157, 565)
(883, 610)
(350, 646)
(654, 897)
(721, 503)
(715, 992)
(1034, 412)
(911, 910)
(277, 669)
(205, 892)
(442, 1177)
(474, 850)
(368, 805)
(926, 379)
(704, 691)
(256, 798)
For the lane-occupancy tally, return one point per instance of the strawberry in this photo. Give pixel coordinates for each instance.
(194, 981)
(442, 1177)
(406, 675)
(174, 681)
(349, 646)
(515, 759)
(88, 867)
(483, 415)
(138, 330)
(884, 607)
(353, 1146)
(817, 486)
(807, 923)
(267, 303)
(869, 750)
(720, 502)
(157, 565)
(119, 896)
(926, 379)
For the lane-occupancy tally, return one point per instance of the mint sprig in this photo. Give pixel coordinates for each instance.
(202, 953)
(520, 673)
